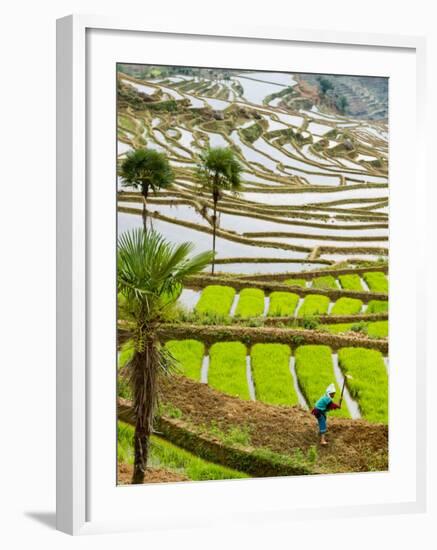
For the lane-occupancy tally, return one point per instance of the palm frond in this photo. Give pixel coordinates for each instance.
(150, 270)
(219, 168)
(146, 167)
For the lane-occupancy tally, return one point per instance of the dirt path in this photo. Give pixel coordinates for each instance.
(354, 445)
(153, 475)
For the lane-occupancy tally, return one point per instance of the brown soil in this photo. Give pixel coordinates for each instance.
(354, 445)
(308, 91)
(153, 475)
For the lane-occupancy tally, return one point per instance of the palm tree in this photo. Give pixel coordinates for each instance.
(146, 169)
(150, 272)
(219, 171)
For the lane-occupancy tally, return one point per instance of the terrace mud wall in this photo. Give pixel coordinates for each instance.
(252, 335)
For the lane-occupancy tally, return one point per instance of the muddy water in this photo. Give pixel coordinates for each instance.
(250, 382)
(312, 242)
(318, 129)
(352, 405)
(300, 396)
(317, 198)
(203, 241)
(271, 267)
(189, 298)
(266, 306)
(149, 90)
(217, 140)
(234, 305)
(204, 370)
(253, 156)
(123, 147)
(216, 104)
(298, 306)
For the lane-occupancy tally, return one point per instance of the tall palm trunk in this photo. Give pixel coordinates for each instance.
(144, 385)
(214, 228)
(145, 193)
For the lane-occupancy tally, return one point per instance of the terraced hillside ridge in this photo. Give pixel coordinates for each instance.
(297, 295)
(357, 445)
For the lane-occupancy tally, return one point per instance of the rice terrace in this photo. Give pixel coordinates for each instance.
(252, 269)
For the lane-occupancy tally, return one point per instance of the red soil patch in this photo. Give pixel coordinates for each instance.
(354, 445)
(308, 90)
(153, 475)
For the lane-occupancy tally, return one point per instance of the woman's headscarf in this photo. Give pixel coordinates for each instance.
(330, 389)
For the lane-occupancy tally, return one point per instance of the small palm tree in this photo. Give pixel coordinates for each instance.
(218, 171)
(150, 272)
(146, 169)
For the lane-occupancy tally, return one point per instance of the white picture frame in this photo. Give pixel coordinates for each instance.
(74, 394)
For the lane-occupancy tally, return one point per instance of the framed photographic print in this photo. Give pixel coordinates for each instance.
(239, 321)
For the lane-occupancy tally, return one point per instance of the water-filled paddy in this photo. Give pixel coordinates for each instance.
(309, 167)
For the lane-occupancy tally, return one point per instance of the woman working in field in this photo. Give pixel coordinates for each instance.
(323, 405)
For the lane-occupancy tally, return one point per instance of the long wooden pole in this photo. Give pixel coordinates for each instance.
(342, 390)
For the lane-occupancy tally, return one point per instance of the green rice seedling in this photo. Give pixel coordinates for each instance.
(189, 355)
(378, 329)
(296, 282)
(164, 454)
(216, 299)
(250, 303)
(347, 306)
(271, 374)
(227, 368)
(377, 306)
(125, 436)
(376, 281)
(361, 326)
(325, 281)
(282, 304)
(350, 282)
(313, 304)
(369, 382)
(315, 371)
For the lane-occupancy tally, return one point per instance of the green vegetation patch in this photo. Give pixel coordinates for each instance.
(189, 356)
(350, 282)
(227, 368)
(168, 106)
(325, 281)
(166, 455)
(271, 374)
(252, 132)
(250, 303)
(376, 281)
(126, 123)
(315, 371)
(338, 327)
(377, 306)
(314, 304)
(347, 306)
(369, 382)
(296, 282)
(216, 299)
(124, 356)
(378, 329)
(126, 353)
(282, 304)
